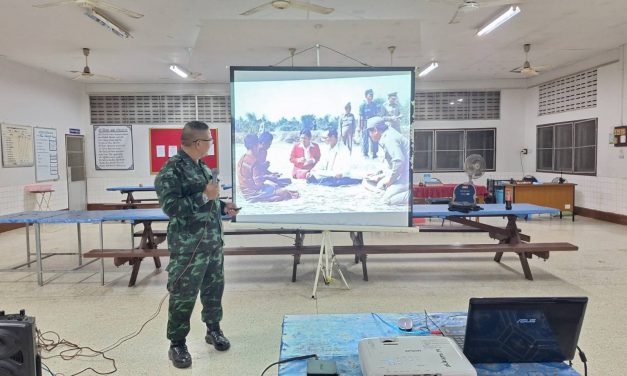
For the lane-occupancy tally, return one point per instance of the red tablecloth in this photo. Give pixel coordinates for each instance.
(442, 190)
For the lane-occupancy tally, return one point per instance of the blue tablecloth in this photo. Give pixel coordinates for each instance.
(337, 336)
(75, 216)
(489, 210)
(29, 216)
(132, 188)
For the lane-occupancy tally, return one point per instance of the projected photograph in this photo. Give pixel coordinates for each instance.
(329, 147)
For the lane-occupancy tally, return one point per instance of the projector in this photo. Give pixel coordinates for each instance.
(413, 356)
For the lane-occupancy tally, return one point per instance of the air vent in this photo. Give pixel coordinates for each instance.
(159, 109)
(569, 93)
(457, 105)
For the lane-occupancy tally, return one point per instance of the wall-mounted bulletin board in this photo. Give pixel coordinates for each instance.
(166, 142)
(620, 136)
(113, 147)
(17, 145)
(46, 157)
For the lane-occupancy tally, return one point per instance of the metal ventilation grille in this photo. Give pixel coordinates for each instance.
(457, 105)
(159, 109)
(569, 93)
(217, 108)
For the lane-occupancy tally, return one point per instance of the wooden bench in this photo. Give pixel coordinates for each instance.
(135, 256)
(524, 251)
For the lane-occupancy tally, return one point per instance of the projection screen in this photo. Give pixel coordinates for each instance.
(327, 146)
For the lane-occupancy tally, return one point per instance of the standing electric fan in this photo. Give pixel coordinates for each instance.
(465, 194)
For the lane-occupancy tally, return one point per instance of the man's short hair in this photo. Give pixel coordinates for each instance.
(393, 94)
(306, 132)
(369, 91)
(191, 132)
(265, 138)
(332, 132)
(250, 141)
(347, 105)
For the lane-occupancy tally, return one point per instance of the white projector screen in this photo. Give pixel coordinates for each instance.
(322, 126)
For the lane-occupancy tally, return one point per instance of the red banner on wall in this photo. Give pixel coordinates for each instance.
(166, 142)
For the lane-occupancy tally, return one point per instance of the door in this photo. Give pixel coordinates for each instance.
(76, 173)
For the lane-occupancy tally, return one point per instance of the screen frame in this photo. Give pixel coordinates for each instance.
(411, 70)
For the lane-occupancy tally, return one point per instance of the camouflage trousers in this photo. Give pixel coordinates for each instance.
(205, 273)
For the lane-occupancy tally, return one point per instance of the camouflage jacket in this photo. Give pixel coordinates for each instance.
(180, 185)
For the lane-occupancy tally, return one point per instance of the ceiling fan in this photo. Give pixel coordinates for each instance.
(86, 72)
(526, 70)
(93, 5)
(284, 4)
(468, 6)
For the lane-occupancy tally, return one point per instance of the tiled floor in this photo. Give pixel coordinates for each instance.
(259, 292)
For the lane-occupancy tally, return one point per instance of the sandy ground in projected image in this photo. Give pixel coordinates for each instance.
(315, 198)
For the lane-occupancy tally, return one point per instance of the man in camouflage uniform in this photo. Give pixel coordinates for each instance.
(367, 110)
(391, 112)
(188, 195)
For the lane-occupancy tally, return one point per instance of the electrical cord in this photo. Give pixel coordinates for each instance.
(584, 360)
(289, 360)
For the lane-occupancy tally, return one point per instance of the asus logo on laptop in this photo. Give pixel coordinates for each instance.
(526, 321)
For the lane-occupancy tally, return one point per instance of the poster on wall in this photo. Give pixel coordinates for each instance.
(113, 145)
(17, 145)
(46, 157)
(166, 142)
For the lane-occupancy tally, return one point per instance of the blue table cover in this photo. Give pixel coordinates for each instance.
(496, 210)
(29, 216)
(336, 336)
(75, 216)
(132, 188)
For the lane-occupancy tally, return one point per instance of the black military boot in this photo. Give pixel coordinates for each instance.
(179, 355)
(216, 338)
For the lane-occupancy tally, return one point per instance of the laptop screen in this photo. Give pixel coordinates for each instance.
(522, 330)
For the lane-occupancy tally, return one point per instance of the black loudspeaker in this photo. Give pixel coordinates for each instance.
(18, 346)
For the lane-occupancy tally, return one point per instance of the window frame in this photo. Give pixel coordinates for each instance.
(465, 149)
(575, 145)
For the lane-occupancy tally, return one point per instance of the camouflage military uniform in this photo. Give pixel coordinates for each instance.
(195, 240)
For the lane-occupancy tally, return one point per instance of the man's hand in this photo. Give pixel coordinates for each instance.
(231, 209)
(212, 190)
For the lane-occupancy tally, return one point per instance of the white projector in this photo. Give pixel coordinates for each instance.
(413, 356)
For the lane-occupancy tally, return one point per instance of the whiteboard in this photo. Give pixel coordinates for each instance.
(17, 145)
(113, 147)
(46, 157)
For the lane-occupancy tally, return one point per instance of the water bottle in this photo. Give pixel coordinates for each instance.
(508, 198)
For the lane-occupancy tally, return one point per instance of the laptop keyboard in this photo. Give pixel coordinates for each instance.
(459, 340)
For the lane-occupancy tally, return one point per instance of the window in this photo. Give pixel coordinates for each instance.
(444, 150)
(569, 147)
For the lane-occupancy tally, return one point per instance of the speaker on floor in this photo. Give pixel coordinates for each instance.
(18, 346)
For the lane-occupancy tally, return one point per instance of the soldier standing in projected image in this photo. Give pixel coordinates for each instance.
(367, 110)
(188, 195)
(346, 127)
(391, 112)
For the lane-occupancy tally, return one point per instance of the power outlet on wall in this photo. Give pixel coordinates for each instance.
(524, 151)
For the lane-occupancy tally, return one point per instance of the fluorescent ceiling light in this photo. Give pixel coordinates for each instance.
(509, 13)
(178, 70)
(107, 23)
(460, 100)
(428, 69)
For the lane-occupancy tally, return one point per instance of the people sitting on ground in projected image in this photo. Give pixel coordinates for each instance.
(394, 180)
(304, 156)
(346, 127)
(252, 181)
(265, 141)
(334, 166)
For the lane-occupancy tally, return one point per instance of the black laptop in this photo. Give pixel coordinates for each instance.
(522, 330)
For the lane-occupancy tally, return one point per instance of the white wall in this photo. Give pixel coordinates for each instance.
(607, 190)
(33, 97)
(509, 134)
(98, 181)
